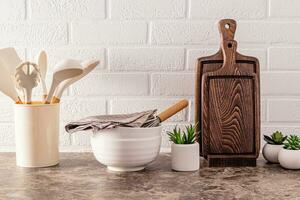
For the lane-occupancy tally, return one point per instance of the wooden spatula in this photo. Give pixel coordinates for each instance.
(7, 84)
(10, 59)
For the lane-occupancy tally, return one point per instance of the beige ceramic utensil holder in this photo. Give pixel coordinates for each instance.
(37, 134)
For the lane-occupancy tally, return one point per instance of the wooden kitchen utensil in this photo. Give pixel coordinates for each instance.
(231, 112)
(166, 114)
(63, 71)
(87, 67)
(27, 77)
(227, 28)
(42, 63)
(10, 59)
(7, 84)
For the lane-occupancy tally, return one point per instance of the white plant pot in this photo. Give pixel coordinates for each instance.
(289, 159)
(37, 134)
(185, 157)
(126, 149)
(270, 152)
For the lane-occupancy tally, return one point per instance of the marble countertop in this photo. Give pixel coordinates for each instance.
(80, 176)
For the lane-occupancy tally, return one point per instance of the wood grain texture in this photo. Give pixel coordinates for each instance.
(229, 104)
(229, 108)
(215, 62)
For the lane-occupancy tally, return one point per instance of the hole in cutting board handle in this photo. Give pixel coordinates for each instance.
(229, 45)
(227, 26)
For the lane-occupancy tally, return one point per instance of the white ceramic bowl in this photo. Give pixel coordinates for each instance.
(289, 159)
(126, 149)
(271, 151)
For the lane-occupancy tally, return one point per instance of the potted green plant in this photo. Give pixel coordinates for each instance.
(273, 146)
(184, 149)
(289, 155)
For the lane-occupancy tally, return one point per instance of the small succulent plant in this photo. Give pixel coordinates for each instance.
(292, 143)
(276, 138)
(183, 137)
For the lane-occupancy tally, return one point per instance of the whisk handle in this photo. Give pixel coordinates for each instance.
(173, 110)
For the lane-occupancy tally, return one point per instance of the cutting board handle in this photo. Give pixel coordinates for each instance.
(227, 29)
(229, 54)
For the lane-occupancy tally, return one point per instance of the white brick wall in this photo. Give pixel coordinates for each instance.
(12, 10)
(56, 54)
(268, 32)
(185, 32)
(64, 9)
(148, 50)
(284, 9)
(28, 34)
(284, 58)
(146, 59)
(172, 84)
(213, 9)
(152, 9)
(108, 32)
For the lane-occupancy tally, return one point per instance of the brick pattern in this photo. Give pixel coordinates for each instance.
(148, 50)
(147, 9)
(243, 9)
(146, 59)
(284, 9)
(58, 9)
(88, 33)
(30, 34)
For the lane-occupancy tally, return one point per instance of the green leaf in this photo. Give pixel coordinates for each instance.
(188, 136)
(268, 139)
(292, 143)
(276, 138)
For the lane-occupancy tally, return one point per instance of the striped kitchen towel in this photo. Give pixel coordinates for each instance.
(100, 122)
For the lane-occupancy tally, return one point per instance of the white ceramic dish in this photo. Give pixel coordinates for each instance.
(289, 159)
(270, 152)
(127, 149)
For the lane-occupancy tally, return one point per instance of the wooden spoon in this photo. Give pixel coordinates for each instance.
(88, 66)
(42, 63)
(64, 70)
(7, 84)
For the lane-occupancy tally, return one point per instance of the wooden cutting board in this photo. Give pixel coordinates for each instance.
(230, 112)
(227, 28)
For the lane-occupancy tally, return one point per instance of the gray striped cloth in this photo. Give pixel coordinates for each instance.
(100, 122)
